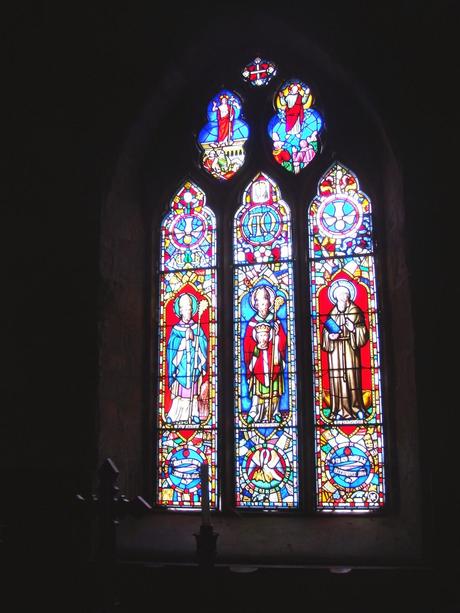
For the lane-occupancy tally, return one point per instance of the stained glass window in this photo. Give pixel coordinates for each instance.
(187, 409)
(346, 350)
(265, 373)
(223, 137)
(259, 72)
(348, 425)
(295, 128)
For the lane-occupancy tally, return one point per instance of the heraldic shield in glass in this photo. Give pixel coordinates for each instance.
(187, 386)
(264, 341)
(346, 349)
(223, 137)
(296, 126)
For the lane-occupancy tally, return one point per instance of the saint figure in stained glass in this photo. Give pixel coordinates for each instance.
(225, 112)
(295, 128)
(293, 103)
(186, 353)
(346, 354)
(264, 356)
(344, 333)
(222, 139)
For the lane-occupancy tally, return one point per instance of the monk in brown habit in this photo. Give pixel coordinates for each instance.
(344, 334)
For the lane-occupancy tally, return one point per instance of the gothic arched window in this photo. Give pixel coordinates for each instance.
(344, 373)
(270, 334)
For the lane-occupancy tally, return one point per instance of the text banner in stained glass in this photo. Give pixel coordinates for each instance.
(181, 454)
(350, 468)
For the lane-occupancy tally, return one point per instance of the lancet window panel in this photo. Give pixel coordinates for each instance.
(349, 438)
(187, 361)
(266, 434)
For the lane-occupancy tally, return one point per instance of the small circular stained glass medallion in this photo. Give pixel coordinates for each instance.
(259, 72)
(339, 216)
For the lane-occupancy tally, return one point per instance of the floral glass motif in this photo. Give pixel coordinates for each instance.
(223, 138)
(296, 126)
(259, 72)
(264, 339)
(346, 348)
(187, 387)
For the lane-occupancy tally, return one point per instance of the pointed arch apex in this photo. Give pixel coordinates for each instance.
(189, 195)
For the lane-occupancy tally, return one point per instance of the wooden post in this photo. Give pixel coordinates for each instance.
(108, 507)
